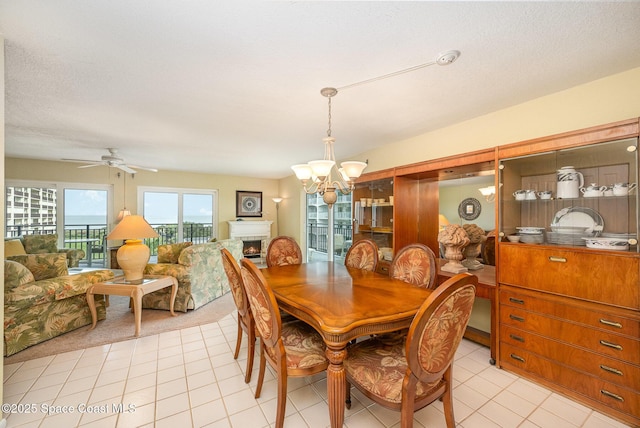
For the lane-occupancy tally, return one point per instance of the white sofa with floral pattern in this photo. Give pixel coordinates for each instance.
(42, 301)
(198, 269)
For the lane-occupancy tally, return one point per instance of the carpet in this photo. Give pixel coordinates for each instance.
(120, 325)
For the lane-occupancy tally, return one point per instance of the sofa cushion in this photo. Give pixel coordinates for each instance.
(15, 274)
(39, 244)
(13, 247)
(44, 266)
(169, 253)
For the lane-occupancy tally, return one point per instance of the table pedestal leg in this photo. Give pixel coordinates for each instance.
(336, 385)
(137, 309)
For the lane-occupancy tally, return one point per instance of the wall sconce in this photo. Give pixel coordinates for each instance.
(489, 193)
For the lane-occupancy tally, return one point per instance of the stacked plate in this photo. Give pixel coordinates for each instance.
(604, 243)
(531, 235)
(571, 225)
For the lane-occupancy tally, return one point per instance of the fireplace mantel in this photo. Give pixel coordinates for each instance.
(243, 229)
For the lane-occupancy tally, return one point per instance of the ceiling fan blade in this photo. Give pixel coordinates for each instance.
(91, 165)
(82, 161)
(126, 169)
(146, 168)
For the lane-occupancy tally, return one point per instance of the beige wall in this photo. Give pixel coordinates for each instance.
(599, 102)
(24, 169)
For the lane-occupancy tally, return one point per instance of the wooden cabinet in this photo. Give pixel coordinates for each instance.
(568, 313)
(373, 213)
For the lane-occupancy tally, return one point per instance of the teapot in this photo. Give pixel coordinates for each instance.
(623, 189)
(569, 182)
(593, 190)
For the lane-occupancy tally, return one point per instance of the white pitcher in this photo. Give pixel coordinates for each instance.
(569, 182)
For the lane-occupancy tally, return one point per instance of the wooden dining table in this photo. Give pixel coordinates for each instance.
(342, 304)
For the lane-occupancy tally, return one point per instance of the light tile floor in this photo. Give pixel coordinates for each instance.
(188, 378)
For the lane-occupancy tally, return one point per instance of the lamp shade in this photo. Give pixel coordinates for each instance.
(132, 227)
(353, 169)
(303, 171)
(321, 168)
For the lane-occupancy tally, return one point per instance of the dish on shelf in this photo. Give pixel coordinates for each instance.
(530, 230)
(532, 238)
(513, 238)
(566, 239)
(603, 243)
(569, 230)
(589, 219)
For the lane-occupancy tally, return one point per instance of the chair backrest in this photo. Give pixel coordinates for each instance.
(232, 269)
(262, 302)
(488, 251)
(438, 327)
(282, 251)
(362, 255)
(415, 264)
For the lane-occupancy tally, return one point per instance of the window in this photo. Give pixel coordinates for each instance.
(180, 215)
(317, 226)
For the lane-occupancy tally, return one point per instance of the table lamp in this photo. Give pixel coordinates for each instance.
(134, 254)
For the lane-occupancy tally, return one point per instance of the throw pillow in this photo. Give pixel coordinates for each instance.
(13, 247)
(40, 244)
(169, 253)
(44, 266)
(15, 274)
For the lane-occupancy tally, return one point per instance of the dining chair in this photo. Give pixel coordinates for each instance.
(363, 254)
(411, 375)
(282, 251)
(415, 264)
(244, 315)
(291, 349)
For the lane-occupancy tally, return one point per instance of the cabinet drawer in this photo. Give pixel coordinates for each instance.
(590, 315)
(616, 346)
(589, 363)
(573, 382)
(593, 276)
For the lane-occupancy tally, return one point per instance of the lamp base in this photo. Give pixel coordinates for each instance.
(132, 257)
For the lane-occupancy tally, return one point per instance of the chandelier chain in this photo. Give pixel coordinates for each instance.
(329, 129)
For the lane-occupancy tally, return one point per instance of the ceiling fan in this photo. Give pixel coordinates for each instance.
(111, 160)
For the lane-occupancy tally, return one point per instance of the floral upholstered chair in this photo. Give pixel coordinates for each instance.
(42, 244)
(283, 251)
(415, 264)
(362, 255)
(410, 375)
(291, 349)
(245, 318)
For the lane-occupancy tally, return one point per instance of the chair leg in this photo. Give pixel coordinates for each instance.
(282, 397)
(263, 362)
(251, 350)
(238, 339)
(347, 401)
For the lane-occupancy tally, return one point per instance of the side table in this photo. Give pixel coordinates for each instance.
(120, 287)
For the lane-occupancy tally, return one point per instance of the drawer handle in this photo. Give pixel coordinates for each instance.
(611, 345)
(557, 259)
(610, 323)
(518, 338)
(611, 394)
(611, 370)
(516, 318)
(518, 301)
(516, 357)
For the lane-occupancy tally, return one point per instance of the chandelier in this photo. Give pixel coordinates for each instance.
(317, 176)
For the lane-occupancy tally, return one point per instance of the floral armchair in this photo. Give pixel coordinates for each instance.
(41, 244)
(198, 269)
(42, 301)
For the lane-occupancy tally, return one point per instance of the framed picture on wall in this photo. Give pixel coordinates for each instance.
(469, 209)
(248, 204)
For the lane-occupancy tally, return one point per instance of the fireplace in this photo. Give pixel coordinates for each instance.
(252, 249)
(255, 237)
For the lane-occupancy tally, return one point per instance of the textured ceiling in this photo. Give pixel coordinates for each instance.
(233, 87)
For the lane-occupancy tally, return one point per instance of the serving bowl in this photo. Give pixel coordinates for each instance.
(604, 243)
(513, 238)
(530, 230)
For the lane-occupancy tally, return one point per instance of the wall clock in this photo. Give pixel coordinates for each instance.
(469, 209)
